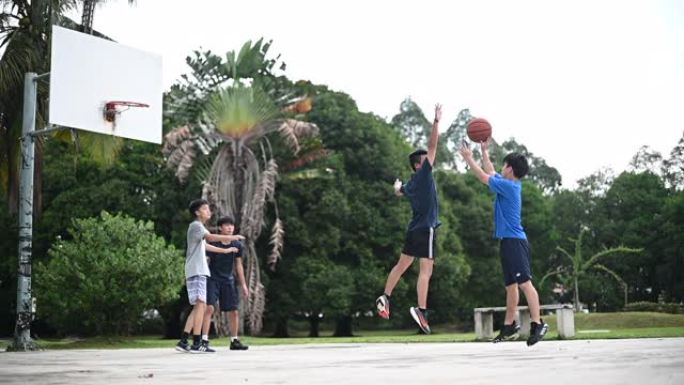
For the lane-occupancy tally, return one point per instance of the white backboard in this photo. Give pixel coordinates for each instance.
(86, 72)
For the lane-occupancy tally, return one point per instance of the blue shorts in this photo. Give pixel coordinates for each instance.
(223, 291)
(515, 260)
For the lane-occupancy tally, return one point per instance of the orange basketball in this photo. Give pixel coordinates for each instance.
(479, 130)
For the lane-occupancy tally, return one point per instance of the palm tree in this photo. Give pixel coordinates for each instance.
(241, 180)
(580, 266)
(234, 136)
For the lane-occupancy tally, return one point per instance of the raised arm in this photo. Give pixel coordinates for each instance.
(467, 155)
(434, 135)
(486, 162)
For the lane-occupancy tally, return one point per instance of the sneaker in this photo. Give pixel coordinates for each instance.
(537, 332)
(237, 345)
(383, 306)
(507, 332)
(203, 347)
(183, 346)
(420, 319)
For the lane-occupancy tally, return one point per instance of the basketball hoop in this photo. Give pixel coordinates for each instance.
(114, 108)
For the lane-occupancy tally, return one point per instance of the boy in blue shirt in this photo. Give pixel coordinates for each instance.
(514, 248)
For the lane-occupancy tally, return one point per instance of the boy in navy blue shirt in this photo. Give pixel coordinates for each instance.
(221, 285)
(514, 248)
(422, 230)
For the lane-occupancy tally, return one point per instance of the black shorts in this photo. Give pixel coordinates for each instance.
(223, 291)
(515, 260)
(421, 243)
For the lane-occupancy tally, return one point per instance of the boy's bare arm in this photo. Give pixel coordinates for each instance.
(223, 238)
(241, 276)
(486, 162)
(467, 155)
(221, 250)
(434, 135)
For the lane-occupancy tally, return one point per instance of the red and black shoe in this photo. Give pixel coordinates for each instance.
(419, 316)
(383, 306)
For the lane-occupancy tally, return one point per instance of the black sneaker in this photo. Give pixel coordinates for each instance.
(420, 319)
(183, 346)
(537, 332)
(237, 345)
(383, 306)
(203, 347)
(507, 332)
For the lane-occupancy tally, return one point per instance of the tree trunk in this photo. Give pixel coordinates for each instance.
(281, 329)
(577, 302)
(314, 323)
(343, 327)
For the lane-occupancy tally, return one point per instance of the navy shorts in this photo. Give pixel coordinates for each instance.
(515, 260)
(223, 291)
(421, 243)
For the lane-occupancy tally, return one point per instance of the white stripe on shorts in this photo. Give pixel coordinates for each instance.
(432, 234)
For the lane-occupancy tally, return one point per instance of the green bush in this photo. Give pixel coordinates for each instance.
(671, 308)
(104, 279)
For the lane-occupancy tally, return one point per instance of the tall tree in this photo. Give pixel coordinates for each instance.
(673, 167)
(233, 125)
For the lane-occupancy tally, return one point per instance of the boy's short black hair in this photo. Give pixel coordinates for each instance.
(195, 205)
(226, 221)
(414, 157)
(518, 163)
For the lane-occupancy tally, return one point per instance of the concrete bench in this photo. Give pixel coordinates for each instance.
(484, 320)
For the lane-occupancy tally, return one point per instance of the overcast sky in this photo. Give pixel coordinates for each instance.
(582, 83)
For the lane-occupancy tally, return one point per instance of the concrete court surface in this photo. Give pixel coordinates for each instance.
(635, 361)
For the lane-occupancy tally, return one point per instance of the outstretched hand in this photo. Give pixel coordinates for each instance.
(485, 145)
(397, 187)
(438, 112)
(465, 151)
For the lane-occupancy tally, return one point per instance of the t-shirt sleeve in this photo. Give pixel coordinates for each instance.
(197, 232)
(240, 250)
(500, 185)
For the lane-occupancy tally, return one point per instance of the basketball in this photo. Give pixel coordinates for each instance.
(479, 130)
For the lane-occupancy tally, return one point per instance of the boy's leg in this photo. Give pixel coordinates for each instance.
(206, 324)
(512, 300)
(419, 313)
(398, 270)
(538, 327)
(233, 302)
(200, 308)
(234, 320)
(383, 302)
(532, 300)
(189, 322)
(424, 281)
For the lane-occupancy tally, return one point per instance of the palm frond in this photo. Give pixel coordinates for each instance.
(294, 130)
(606, 252)
(612, 274)
(567, 254)
(277, 243)
(103, 149)
(238, 112)
(551, 273)
(180, 152)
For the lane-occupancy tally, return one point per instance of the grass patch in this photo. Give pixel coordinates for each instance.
(588, 326)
